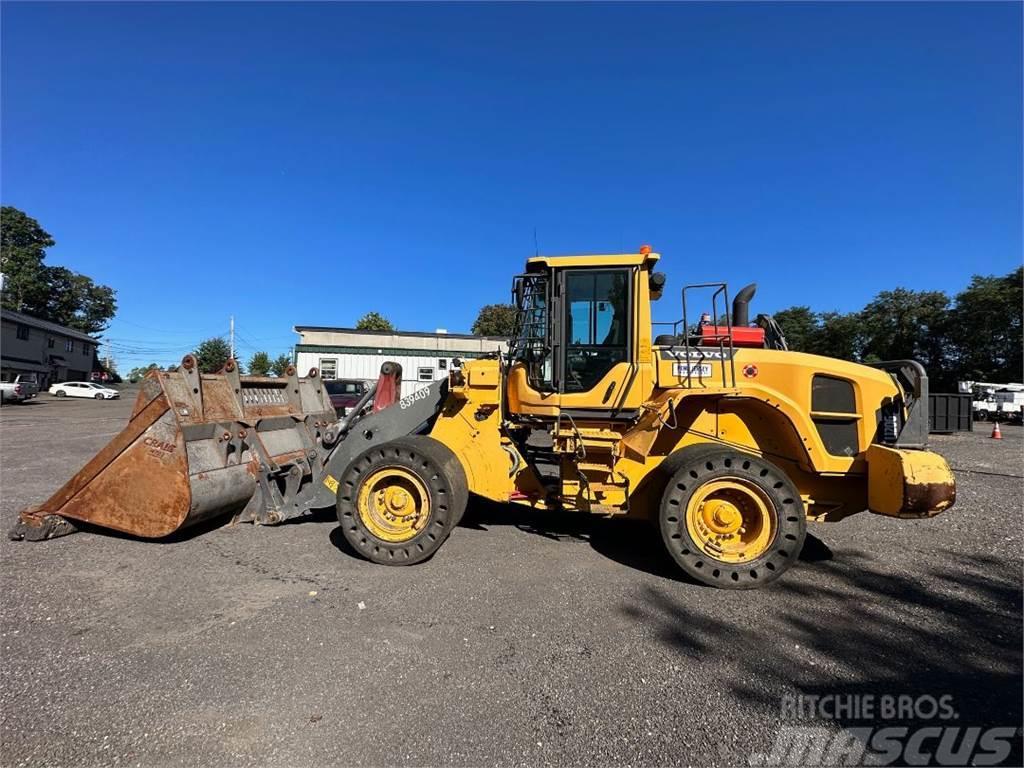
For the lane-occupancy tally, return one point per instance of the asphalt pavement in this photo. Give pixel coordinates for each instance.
(528, 640)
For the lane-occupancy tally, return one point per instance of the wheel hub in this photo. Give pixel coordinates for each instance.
(722, 516)
(733, 520)
(396, 498)
(393, 504)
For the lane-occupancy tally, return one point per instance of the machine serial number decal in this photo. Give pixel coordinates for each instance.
(420, 394)
(331, 483)
(694, 370)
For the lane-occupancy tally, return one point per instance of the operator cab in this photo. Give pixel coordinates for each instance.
(583, 343)
(583, 338)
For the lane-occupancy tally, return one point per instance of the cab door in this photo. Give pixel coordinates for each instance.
(585, 364)
(594, 357)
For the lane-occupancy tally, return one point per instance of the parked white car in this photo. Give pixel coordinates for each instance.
(84, 389)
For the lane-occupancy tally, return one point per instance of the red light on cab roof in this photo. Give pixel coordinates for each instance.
(644, 250)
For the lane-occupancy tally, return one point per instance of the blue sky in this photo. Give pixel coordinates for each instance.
(306, 163)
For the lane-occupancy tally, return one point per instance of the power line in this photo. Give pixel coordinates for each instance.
(159, 330)
(248, 342)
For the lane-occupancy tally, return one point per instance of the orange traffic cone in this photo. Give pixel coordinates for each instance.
(996, 433)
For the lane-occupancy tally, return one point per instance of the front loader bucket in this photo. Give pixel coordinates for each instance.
(196, 446)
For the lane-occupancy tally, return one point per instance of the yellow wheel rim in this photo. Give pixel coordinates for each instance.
(393, 504)
(731, 519)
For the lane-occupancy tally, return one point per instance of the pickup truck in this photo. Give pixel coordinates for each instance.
(1010, 404)
(24, 387)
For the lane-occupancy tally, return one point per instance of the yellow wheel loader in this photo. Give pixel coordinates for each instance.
(712, 430)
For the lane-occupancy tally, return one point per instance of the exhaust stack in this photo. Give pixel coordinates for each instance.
(740, 306)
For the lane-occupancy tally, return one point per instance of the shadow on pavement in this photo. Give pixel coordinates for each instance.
(187, 534)
(634, 543)
(950, 631)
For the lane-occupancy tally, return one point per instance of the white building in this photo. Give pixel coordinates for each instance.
(345, 353)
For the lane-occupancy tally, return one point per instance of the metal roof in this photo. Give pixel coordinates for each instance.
(597, 260)
(413, 334)
(46, 325)
(21, 363)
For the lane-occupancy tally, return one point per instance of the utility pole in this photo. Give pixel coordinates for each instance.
(232, 337)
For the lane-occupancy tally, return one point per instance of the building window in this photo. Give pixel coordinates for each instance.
(425, 374)
(69, 345)
(22, 331)
(442, 364)
(50, 342)
(328, 368)
(86, 349)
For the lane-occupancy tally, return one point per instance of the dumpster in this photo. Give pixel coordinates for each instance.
(950, 412)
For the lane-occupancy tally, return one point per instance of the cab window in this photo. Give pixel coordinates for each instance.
(531, 344)
(596, 326)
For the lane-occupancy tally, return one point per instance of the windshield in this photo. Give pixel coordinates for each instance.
(345, 387)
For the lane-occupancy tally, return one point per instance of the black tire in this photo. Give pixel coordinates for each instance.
(981, 415)
(444, 479)
(61, 393)
(97, 397)
(701, 464)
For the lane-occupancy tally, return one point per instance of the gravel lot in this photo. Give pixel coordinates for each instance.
(527, 640)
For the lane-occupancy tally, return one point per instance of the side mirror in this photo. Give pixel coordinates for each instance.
(656, 283)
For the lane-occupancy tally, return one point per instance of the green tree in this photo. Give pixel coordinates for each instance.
(56, 294)
(831, 334)
(978, 337)
(839, 335)
(374, 321)
(97, 306)
(259, 364)
(904, 324)
(495, 320)
(985, 328)
(137, 373)
(77, 302)
(62, 302)
(23, 244)
(800, 325)
(280, 364)
(212, 354)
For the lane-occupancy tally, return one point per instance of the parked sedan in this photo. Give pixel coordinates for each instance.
(84, 389)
